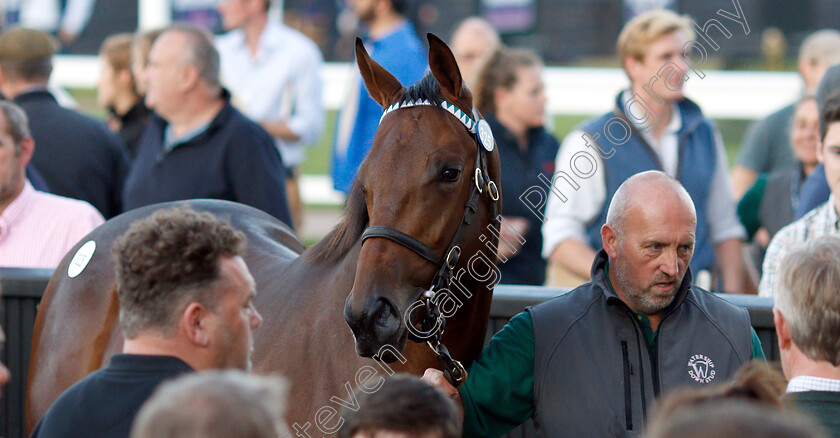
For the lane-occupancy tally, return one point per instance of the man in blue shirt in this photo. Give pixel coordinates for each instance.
(393, 43)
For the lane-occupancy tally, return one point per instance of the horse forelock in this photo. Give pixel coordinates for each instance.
(427, 88)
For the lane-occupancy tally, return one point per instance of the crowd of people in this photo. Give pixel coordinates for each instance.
(641, 217)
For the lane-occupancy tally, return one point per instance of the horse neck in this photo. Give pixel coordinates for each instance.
(467, 328)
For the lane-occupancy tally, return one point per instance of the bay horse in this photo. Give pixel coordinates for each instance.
(426, 179)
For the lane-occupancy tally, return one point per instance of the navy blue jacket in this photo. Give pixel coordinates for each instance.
(519, 173)
(77, 156)
(814, 192)
(234, 159)
(697, 162)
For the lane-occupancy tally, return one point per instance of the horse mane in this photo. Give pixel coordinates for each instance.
(336, 244)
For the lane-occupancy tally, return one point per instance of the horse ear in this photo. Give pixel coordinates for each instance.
(445, 69)
(383, 87)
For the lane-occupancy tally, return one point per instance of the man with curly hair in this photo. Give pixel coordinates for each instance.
(186, 303)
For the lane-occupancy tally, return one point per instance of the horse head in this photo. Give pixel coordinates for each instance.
(428, 188)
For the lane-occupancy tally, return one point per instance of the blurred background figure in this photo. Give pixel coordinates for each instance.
(140, 48)
(822, 220)
(511, 96)
(65, 19)
(770, 203)
(732, 419)
(815, 189)
(36, 228)
(748, 406)
(755, 382)
(473, 42)
(77, 155)
(402, 407)
(198, 145)
(215, 404)
(766, 145)
(117, 91)
(393, 43)
(274, 75)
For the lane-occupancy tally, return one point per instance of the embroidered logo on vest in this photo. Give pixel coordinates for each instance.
(701, 368)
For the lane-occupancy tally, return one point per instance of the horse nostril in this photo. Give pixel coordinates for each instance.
(384, 313)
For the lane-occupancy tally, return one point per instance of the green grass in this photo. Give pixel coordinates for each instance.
(318, 156)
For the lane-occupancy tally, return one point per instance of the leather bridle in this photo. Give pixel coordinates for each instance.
(432, 324)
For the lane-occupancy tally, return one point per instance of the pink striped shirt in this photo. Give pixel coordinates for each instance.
(38, 228)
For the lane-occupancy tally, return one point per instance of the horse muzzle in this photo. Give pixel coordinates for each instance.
(377, 324)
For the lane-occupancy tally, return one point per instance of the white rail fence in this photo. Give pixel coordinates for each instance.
(570, 91)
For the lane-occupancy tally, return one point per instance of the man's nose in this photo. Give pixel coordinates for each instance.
(670, 263)
(256, 319)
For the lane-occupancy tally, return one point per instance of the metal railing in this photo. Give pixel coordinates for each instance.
(22, 290)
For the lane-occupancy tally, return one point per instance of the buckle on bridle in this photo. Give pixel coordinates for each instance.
(493, 191)
(452, 257)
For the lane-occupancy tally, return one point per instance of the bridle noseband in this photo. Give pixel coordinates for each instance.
(433, 323)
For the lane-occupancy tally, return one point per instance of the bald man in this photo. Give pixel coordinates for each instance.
(592, 361)
(473, 41)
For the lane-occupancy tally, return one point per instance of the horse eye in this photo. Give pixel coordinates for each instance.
(450, 175)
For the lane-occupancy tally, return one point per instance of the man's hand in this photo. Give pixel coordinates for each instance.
(511, 248)
(435, 378)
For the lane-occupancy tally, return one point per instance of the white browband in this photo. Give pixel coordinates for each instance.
(454, 110)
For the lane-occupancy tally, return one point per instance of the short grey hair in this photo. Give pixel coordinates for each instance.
(822, 46)
(201, 53)
(17, 124)
(215, 404)
(806, 295)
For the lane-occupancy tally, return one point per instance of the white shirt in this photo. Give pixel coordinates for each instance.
(568, 220)
(810, 383)
(46, 14)
(281, 83)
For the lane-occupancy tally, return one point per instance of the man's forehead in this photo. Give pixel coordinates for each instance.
(169, 42)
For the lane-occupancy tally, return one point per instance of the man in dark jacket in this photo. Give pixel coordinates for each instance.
(200, 146)
(182, 308)
(805, 315)
(592, 362)
(77, 156)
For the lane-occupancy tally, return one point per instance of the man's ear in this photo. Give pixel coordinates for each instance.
(189, 78)
(631, 66)
(782, 330)
(610, 239)
(195, 322)
(4, 81)
(27, 149)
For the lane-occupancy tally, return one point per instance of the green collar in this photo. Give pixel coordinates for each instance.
(644, 321)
